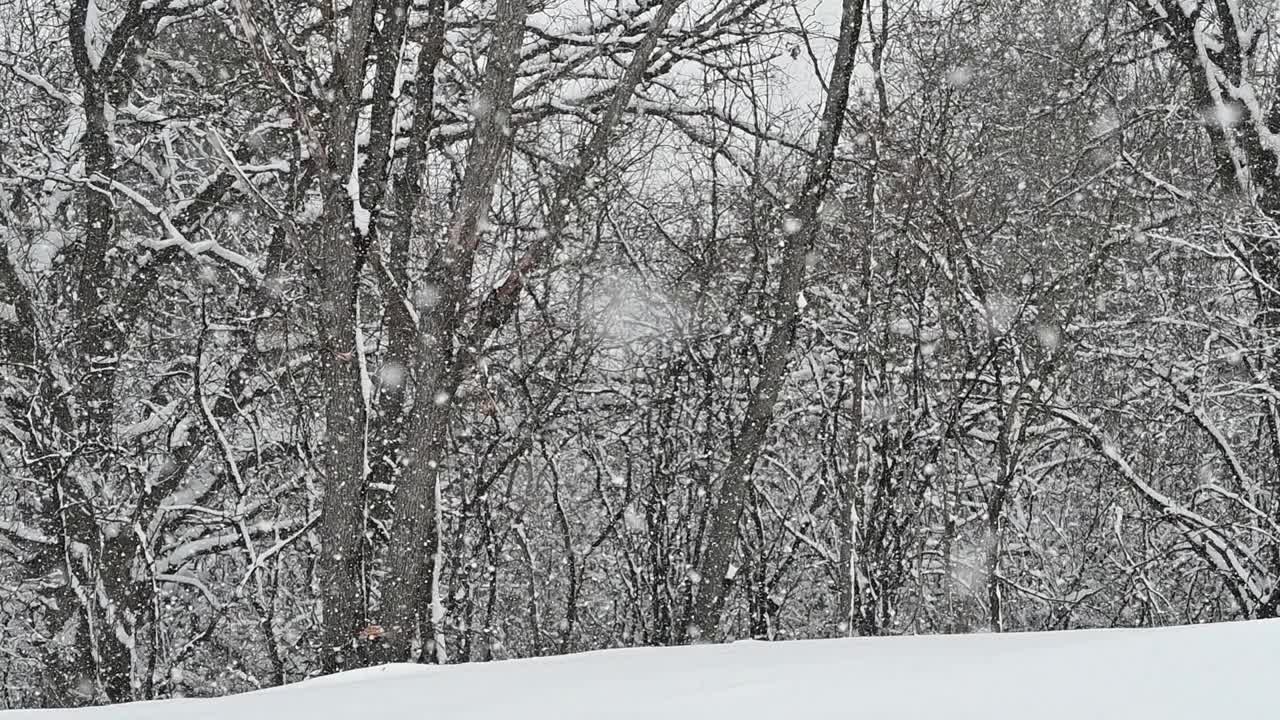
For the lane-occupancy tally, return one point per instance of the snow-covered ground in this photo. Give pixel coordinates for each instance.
(1208, 672)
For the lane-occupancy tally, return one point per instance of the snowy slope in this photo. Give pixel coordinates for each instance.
(1207, 672)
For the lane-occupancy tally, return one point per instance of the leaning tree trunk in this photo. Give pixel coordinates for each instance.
(722, 530)
(412, 606)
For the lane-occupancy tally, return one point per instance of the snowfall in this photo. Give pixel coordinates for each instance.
(1204, 672)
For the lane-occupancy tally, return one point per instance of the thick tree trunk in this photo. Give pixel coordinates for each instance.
(411, 607)
(335, 253)
(341, 530)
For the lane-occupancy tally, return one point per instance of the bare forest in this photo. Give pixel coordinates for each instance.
(343, 332)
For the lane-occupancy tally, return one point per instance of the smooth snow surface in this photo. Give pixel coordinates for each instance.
(1204, 672)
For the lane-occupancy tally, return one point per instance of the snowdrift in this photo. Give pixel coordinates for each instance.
(1202, 672)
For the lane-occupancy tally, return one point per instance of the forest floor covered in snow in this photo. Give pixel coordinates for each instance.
(1207, 671)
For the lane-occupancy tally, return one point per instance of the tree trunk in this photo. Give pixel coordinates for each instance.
(722, 531)
(335, 254)
(411, 607)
